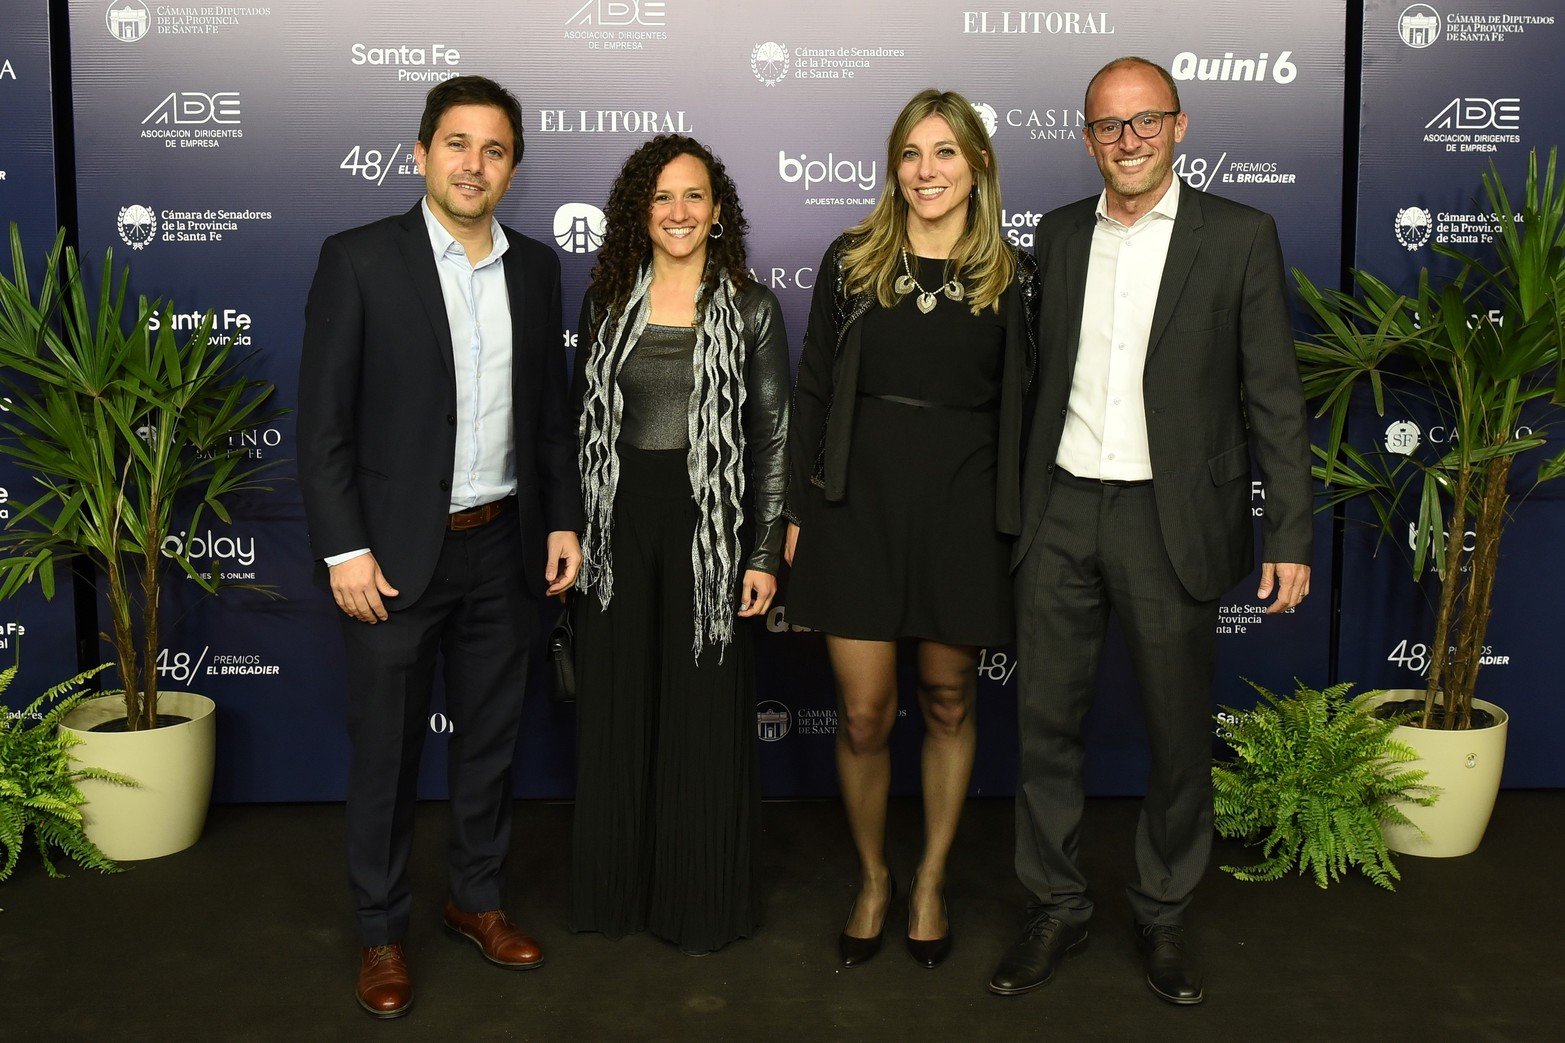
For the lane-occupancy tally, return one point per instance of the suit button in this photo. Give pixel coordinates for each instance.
(445, 485)
(1049, 469)
(451, 419)
(1063, 412)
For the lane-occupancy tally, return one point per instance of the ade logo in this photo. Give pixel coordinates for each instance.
(1479, 114)
(620, 12)
(196, 107)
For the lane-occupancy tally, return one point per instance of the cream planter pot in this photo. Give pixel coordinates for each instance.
(173, 764)
(1466, 766)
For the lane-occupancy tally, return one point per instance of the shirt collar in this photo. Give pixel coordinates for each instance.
(445, 244)
(1167, 207)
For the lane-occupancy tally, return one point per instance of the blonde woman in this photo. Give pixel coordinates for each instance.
(904, 490)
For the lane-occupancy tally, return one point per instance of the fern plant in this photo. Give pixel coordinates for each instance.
(38, 780)
(1315, 776)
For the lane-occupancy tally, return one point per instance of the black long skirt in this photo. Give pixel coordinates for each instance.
(667, 787)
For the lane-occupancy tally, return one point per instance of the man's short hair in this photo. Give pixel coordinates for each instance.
(1120, 63)
(470, 90)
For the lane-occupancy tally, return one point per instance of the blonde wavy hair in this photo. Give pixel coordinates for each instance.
(982, 258)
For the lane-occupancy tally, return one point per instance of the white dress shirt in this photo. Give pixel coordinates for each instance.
(478, 312)
(1105, 434)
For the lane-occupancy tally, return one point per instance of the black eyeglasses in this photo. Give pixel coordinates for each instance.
(1147, 124)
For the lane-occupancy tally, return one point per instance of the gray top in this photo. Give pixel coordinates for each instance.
(763, 420)
(657, 380)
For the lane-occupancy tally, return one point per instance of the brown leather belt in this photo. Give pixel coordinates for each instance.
(476, 518)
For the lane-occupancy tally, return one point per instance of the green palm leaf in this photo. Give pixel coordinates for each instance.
(129, 432)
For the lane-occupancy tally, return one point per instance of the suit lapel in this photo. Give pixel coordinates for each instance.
(1078, 254)
(1183, 246)
(420, 259)
(515, 279)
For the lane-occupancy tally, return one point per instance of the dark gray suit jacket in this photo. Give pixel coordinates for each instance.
(377, 401)
(1221, 383)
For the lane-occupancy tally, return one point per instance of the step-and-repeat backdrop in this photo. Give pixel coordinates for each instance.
(37, 635)
(217, 145)
(1449, 87)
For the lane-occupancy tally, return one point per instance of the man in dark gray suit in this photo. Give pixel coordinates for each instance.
(438, 465)
(1167, 360)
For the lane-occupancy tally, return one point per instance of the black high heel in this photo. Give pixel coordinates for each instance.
(933, 952)
(855, 950)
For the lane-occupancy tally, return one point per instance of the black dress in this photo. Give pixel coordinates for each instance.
(912, 550)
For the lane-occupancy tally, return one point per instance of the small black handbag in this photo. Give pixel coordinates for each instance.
(562, 654)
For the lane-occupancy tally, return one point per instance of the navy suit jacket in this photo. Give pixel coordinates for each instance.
(377, 402)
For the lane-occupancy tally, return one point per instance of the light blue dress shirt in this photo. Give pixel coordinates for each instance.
(478, 312)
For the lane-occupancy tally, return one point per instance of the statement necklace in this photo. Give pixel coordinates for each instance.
(926, 298)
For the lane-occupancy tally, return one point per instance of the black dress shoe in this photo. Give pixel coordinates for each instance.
(1171, 971)
(932, 952)
(1030, 963)
(855, 950)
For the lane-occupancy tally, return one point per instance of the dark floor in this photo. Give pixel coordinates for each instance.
(248, 936)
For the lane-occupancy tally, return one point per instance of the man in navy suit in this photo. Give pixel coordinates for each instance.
(438, 467)
(1165, 361)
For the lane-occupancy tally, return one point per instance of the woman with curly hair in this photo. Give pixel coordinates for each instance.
(682, 377)
(905, 485)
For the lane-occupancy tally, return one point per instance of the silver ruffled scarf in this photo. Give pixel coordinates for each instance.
(715, 458)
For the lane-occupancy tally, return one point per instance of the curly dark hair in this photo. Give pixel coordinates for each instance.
(626, 244)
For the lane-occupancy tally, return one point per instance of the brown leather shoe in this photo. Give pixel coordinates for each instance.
(384, 988)
(497, 937)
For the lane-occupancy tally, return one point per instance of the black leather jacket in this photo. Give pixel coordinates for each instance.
(765, 414)
(827, 391)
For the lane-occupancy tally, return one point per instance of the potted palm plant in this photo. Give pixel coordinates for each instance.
(1481, 352)
(125, 428)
